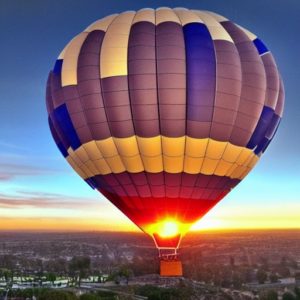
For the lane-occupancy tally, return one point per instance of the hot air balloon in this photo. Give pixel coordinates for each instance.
(164, 112)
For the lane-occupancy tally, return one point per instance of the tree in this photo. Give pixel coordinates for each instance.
(57, 295)
(288, 296)
(268, 295)
(81, 266)
(51, 277)
(261, 276)
(273, 277)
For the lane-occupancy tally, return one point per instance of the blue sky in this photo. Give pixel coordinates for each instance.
(35, 177)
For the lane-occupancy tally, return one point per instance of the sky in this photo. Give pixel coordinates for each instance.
(40, 191)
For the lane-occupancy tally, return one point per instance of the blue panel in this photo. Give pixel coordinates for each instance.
(200, 65)
(262, 145)
(63, 120)
(56, 138)
(260, 46)
(58, 66)
(91, 182)
(273, 126)
(261, 127)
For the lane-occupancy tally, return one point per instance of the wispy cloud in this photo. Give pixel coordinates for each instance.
(44, 200)
(11, 170)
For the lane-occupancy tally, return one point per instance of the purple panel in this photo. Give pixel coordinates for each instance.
(171, 78)
(173, 179)
(272, 80)
(280, 101)
(228, 87)
(119, 117)
(156, 178)
(142, 79)
(49, 101)
(251, 83)
(139, 178)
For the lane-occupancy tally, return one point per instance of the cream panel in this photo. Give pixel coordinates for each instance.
(113, 56)
(215, 29)
(146, 14)
(187, 16)
(69, 66)
(217, 17)
(250, 35)
(101, 24)
(165, 14)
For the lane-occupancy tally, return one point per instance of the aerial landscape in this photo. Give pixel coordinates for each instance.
(149, 150)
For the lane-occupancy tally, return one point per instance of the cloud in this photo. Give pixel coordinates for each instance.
(10, 171)
(45, 200)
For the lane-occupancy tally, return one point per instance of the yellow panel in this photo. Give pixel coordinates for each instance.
(187, 16)
(116, 164)
(76, 168)
(245, 173)
(92, 150)
(113, 62)
(173, 146)
(209, 166)
(133, 164)
(127, 146)
(237, 173)
(253, 161)
(86, 170)
(81, 154)
(69, 66)
(250, 35)
(73, 155)
(92, 167)
(102, 167)
(215, 29)
(107, 147)
(101, 24)
(192, 165)
(146, 14)
(195, 147)
(150, 146)
(153, 164)
(231, 170)
(173, 164)
(215, 149)
(165, 14)
(217, 17)
(222, 168)
(245, 154)
(232, 153)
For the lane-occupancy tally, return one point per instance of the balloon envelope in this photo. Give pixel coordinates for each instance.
(164, 112)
